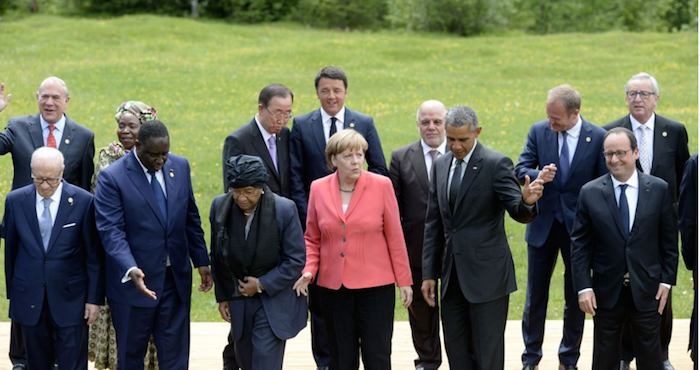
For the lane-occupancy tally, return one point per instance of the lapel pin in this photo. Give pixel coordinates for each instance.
(70, 201)
(172, 174)
(664, 134)
(68, 141)
(352, 124)
(588, 139)
(474, 168)
(648, 190)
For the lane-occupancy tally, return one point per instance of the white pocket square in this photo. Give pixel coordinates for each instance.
(68, 225)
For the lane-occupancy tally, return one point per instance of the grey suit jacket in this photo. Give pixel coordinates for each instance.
(473, 237)
(670, 150)
(248, 140)
(409, 176)
(23, 135)
(598, 243)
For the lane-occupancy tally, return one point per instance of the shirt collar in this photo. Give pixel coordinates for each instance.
(56, 197)
(60, 125)
(145, 170)
(441, 148)
(633, 181)
(649, 123)
(340, 115)
(469, 155)
(266, 135)
(576, 130)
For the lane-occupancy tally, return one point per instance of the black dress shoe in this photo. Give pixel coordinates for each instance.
(323, 368)
(567, 367)
(530, 367)
(19, 367)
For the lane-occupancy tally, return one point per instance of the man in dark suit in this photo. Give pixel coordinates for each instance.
(149, 225)
(307, 154)
(688, 222)
(466, 244)
(625, 232)
(51, 127)
(53, 264)
(266, 136)
(554, 148)
(663, 151)
(409, 170)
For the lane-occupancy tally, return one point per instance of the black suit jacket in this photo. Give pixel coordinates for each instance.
(473, 238)
(670, 150)
(688, 215)
(650, 254)
(410, 179)
(248, 140)
(22, 137)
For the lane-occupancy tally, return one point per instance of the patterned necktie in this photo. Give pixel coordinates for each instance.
(159, 195)
(273, 150)
(433, 155)
(564, 158)
(624, 210)
(644, 157)
(333, 128)
(456, 182)
(51, 140)
(45, 223)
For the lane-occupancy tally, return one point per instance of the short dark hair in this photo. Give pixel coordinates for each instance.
(334, 73)
(461, 115)
(274, 90)
(616, 130)
(153, 129)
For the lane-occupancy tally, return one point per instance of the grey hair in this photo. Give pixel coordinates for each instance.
(643, 76)
(461, 115)
(53, 79)
(567, 95)
(430, 103)
(44, 154)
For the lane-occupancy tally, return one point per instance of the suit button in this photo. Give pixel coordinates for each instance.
(32, 306)
(46, 261)
(343, 240)
(43, 284)
(342, 254)
(342, 225)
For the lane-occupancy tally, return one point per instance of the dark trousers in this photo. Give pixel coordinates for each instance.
(17, 353)
(319, 335)
(258, 348)
(473, 331)
(168, 322)
(607, 334)
(541, 263)
(425, 326)
(359, 319)
(45, 340)
(666, 330)
(229, 354)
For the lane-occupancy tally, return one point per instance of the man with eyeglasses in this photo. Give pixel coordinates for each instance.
(266, 136)
(625, 234)
(52, 128)
(53, 264)
(566, 152)
(663, 151)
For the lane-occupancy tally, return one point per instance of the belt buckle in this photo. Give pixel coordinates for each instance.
(626, 282)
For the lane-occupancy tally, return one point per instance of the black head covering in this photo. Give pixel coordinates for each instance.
(246, 170)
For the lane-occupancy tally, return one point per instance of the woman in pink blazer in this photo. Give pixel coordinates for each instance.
(356, 250)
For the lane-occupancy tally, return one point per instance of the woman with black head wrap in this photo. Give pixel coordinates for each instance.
(257, 252)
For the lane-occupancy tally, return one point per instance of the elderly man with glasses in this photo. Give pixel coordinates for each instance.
(663, 151)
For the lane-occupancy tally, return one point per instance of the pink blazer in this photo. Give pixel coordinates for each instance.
(361, 248)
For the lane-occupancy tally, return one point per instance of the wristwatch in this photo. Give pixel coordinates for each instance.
(257, 286)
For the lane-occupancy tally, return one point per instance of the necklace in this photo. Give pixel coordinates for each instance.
(347, 191)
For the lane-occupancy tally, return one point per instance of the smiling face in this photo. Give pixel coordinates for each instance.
(332, 94)
(559, 119)
(52, 101)
(154, 152)
(461, 140)
(622, 166)
(641, 109)
(128, 130)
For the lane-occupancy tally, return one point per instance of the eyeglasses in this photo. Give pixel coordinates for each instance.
(249, 193)
(644, 94)
(618, 153)
(282, 116)
(52, 181)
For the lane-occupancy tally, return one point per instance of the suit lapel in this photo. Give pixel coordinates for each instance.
(659, 141)
(415, 155)
(552, 151)
(261, 147)
(642, 201)
(282, 159)
(609, 195)
(335, 196)
(357, 194)
(169, 175)
(65, 208)
(29, 205)
(627, 123)
(138, 177)
(317, 130)
(35, 132)
(67, 138)
(473, 168)
(582, 146)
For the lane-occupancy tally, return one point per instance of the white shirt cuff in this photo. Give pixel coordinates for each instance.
(667, 286)
(585, 290)
(126, 277)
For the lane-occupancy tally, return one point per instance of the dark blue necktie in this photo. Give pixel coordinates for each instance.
(624, 210)
(455, 184)
(564, 158)
(160, 197)
(333, 128)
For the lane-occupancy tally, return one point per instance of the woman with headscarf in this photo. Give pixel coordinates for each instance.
(102, 347)
(356, 251)
(257, 252)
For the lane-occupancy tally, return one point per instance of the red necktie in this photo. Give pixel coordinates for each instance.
(51, 140)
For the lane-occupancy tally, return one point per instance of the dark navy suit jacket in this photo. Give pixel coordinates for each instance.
(69, 273)
(22, 137)
(307, 152)
(541, 149)
(134, 234)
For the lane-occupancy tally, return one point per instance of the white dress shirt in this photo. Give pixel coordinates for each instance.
(648, 134)
(326, 119)
(57, 133)
(266, 135)
(429, 158)
(53, 207)
(571, 139)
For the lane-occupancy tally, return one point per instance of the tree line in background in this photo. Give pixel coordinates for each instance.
(461, 17)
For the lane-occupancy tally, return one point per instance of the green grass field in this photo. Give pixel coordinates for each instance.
(204, 78)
